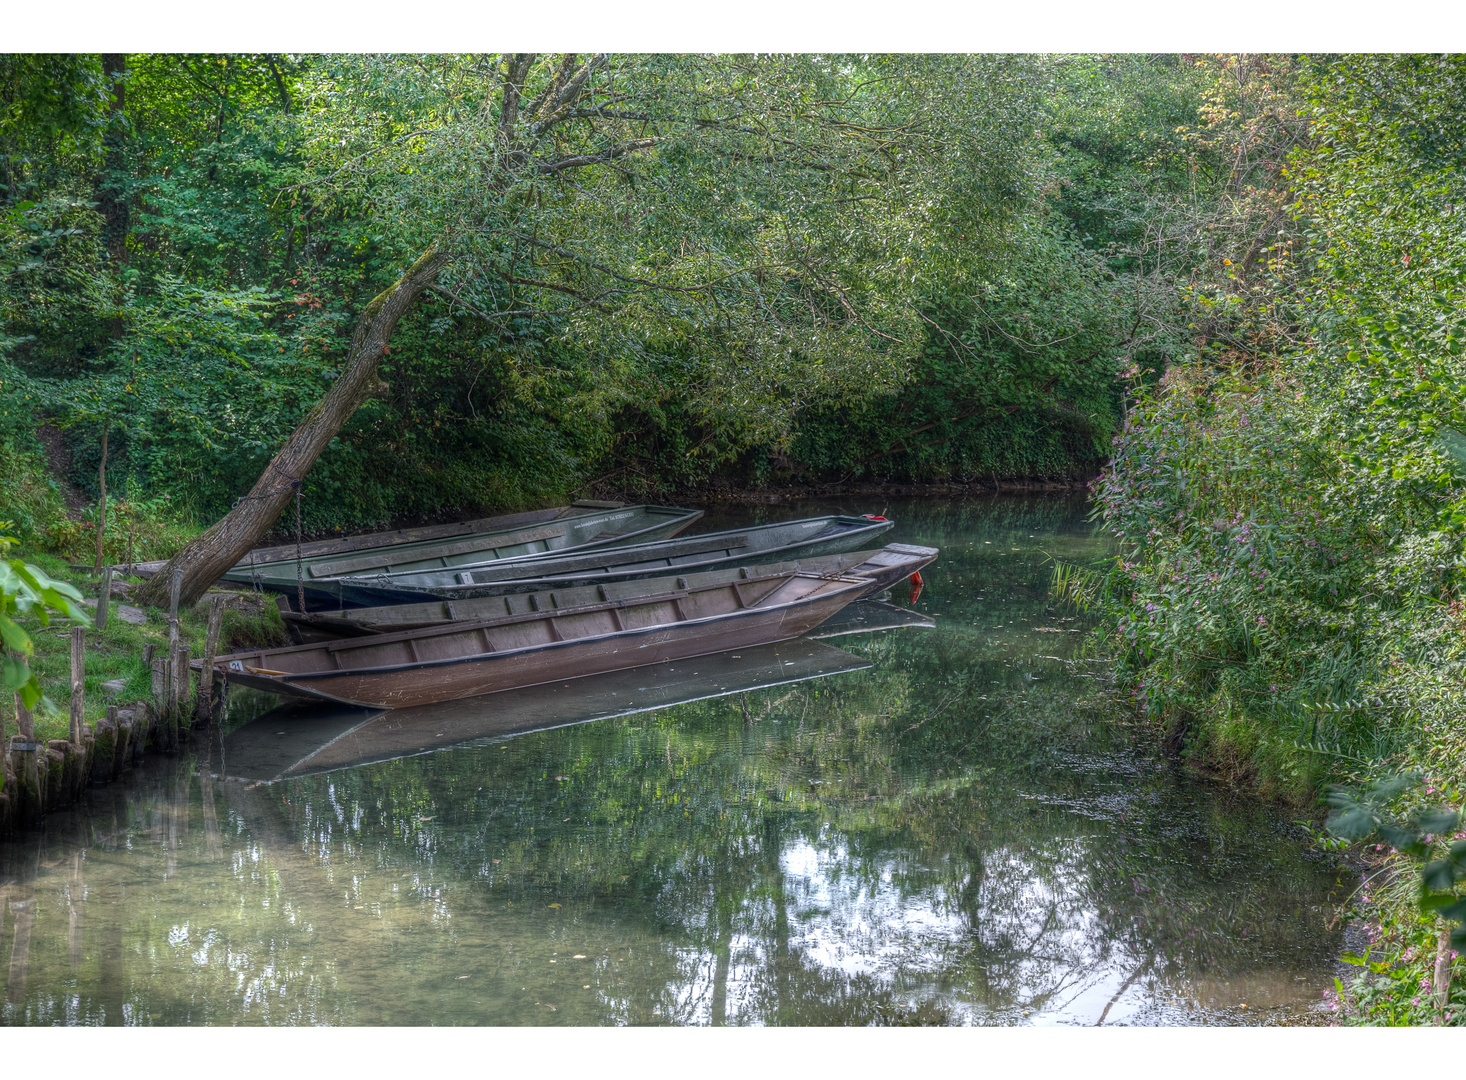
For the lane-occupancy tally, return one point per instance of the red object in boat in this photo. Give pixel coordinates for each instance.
(874, 517)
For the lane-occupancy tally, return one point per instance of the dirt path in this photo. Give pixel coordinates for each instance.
(58, 462)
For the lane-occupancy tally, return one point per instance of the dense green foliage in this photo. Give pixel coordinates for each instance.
(740, 269)
(1291, 504)
(1237, 279)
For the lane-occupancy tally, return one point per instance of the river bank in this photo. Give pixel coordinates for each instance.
(130, 705)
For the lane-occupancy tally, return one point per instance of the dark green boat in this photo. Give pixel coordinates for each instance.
(336, 545)
(804, 538)
(588, 530)
(882, 568)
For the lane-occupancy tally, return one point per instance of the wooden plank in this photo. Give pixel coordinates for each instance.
(487, 543)
(697, 545)
(393, 537)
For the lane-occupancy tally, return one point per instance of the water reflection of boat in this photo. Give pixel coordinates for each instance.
(592, 529)
(881, 569)
(448, 661)
(870, 616)
(805, 538)
(299, 738)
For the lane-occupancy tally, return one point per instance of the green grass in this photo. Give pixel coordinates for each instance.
(117, 652)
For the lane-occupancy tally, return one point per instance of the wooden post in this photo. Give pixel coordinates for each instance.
(104, 598)
(160, 683)
(173, 589)
(1441, 984)
(23, 721)
(211, 646)
(184, 677)
(28, 781)
(78, 681)
(178, 710)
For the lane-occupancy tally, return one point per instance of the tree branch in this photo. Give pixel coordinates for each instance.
(581, 160)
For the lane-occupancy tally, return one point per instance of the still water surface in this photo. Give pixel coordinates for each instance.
(958, 833)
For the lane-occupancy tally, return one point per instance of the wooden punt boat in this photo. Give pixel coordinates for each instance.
(831, 534)
(337, 545)
(585, 531)
(302, 738)
(881, 569)
(464, 659)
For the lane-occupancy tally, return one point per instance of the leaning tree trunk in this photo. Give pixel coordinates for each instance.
(210, 554)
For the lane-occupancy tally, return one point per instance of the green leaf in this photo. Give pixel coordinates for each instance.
(1437, 821)
(1438, 876)
(1401, 839)
(14, 638)
(16, 672)
(1452, 444)
(1352, 824)
(1455, 912)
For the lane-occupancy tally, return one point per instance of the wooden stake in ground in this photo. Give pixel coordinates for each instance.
(104, 597)
(173, 589)
(28, 782)
(78, 681)
(23, 721)
(180, 681)
(211, 645)
(160, 668)
(101, 501)
(1442, 980)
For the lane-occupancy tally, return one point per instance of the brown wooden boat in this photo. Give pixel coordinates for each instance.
(455, 660)
(301, 738)
(882, 569)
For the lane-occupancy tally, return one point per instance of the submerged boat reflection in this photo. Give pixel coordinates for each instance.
(301, 738)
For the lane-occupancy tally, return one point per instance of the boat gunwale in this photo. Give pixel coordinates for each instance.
(342, 622)
(752, 610)
(384, 581)
(247, 572)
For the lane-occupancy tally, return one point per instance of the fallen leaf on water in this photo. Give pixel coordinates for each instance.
(586, 986)
(554, 905)
(578, 956)
(463, 976)
(496, 863)
(424, 819)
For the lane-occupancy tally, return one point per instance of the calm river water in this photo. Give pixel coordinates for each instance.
(958, 833)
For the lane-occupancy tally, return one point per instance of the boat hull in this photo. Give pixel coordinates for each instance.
(802, 539)
(882, 568)
(405, 685)
(339, 545)
(588, 531)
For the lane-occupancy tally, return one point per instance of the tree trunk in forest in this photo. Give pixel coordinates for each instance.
(102, 501)
(211, 553)
(112, 190)
(112, 194)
